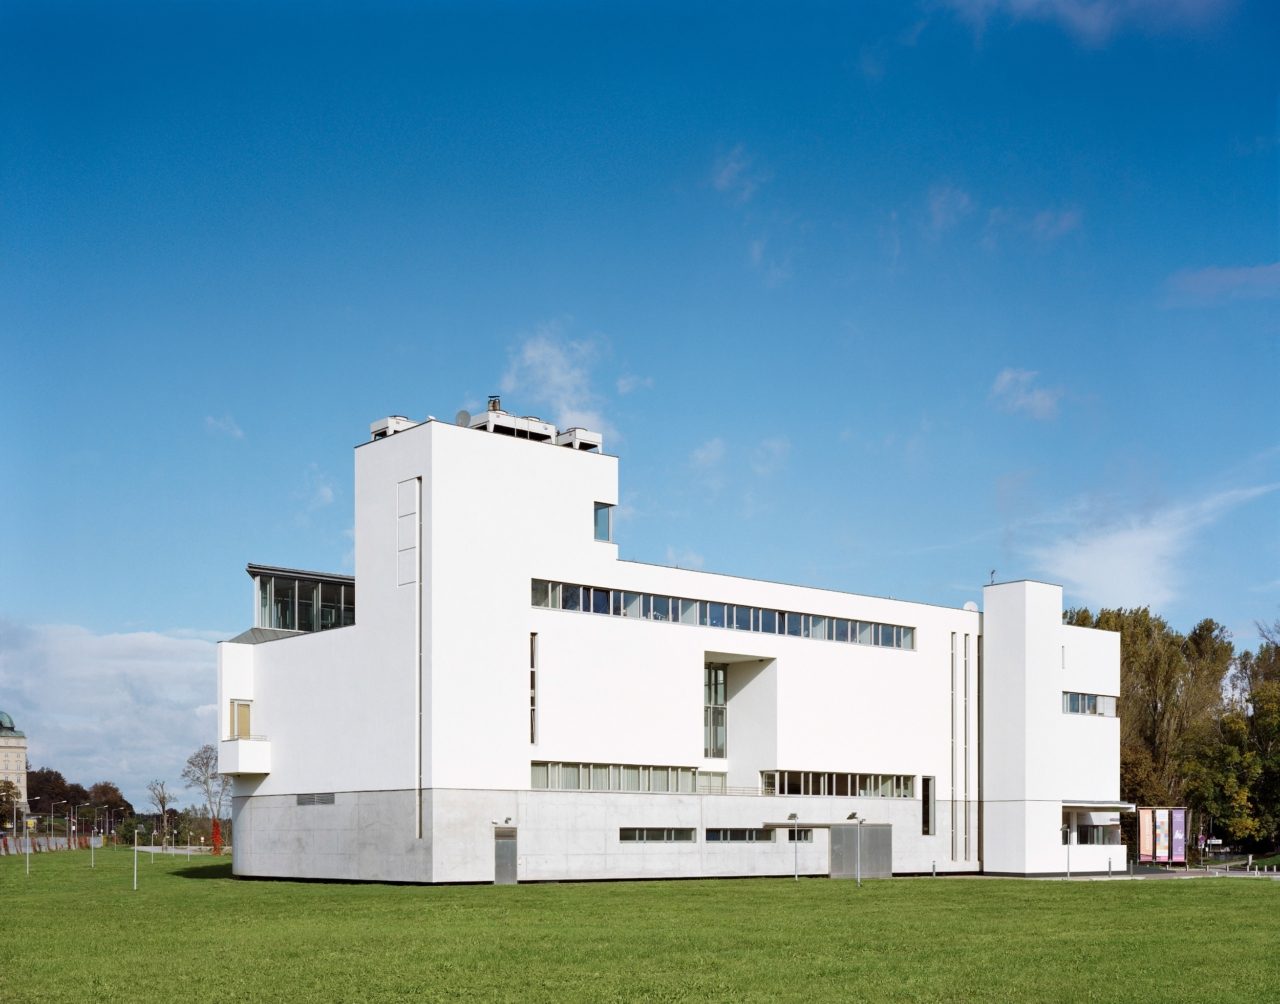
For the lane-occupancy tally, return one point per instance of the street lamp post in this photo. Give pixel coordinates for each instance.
(51, 808)
(86, 805)
(795, 842)
(858, 865)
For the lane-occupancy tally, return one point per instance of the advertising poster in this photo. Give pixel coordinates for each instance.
(1162, 834)
(1144, 834)
(1179, 850)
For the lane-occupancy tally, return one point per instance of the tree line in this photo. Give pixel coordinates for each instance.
(1199, 723)
(47, 787)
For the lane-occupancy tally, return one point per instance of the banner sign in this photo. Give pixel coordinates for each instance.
(1162, 834)
(1144, 834)
(1179, 849)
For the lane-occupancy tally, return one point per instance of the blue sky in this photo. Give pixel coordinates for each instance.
(873, 297)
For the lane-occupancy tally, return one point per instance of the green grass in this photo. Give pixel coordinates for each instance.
(191, 932)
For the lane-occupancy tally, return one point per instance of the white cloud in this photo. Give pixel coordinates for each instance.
(317, 488)
(733, 174)
(226, 426)
(630, 383)
(1092, 22)
(1219, 285)
(548, 369)
(770, 455)
(1133, 561)
(1015, 391)
(708, 455)
(683, 558)
(110, 707)
(1051, 224)
(948, 205)
(776, 270)
(1045, 225)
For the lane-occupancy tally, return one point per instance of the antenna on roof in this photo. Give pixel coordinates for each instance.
(993, 577)
(462, 418)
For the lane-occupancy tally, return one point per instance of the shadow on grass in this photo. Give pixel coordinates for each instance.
(219, 870)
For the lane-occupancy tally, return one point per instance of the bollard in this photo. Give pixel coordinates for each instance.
(1108, 868)
(935, 869)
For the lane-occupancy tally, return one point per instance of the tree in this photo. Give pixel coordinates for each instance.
(107, 795)
(202, 774)
(9, 793)
(1170, 696)
(161, 798)
(48, 786)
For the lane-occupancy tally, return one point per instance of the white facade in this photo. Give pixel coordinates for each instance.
(466, 707)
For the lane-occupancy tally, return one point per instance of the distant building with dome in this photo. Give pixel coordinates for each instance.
(13, 756)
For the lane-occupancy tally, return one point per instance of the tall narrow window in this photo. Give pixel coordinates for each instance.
(604, 521)
(533, 687)
(713, 710)
(926, 806)
(240, 720)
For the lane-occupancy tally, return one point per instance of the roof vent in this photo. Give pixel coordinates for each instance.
(495, 402)
(389, 426)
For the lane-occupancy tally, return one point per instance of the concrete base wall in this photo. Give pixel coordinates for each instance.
(364, 835)
(561, 835)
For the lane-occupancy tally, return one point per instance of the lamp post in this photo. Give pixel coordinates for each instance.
(86, 805)
(858, 866)
(795, 842)
(1066, 839)
(30, 799)
(51, 808)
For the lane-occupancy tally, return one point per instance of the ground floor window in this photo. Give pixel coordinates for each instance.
(740, 836)
(800, 836)
(655, 835)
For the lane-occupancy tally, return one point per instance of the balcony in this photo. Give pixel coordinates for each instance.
(244, 755)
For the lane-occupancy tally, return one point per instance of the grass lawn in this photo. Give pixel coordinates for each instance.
(192, 933)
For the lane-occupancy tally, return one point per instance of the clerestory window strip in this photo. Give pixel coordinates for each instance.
(713, 613)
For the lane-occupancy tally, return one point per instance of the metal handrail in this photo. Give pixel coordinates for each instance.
(262, 739)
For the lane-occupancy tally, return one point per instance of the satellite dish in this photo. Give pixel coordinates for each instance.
(971, 607)
(462, 418)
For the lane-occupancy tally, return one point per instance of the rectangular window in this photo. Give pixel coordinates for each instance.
(740, 836)
(570, 597)
(926, 806)
(713, 712)
(599, 601)
(541, 593)
(1101, 705)
(769, 621)
(716, 614)
(533, 687)
(742, 618)
(604, 522)
(654, 835)
(799, 836)
(240, 720)
(688, 611)
(842, 630)
(793, 625)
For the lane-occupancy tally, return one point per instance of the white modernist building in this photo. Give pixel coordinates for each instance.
(514, 702)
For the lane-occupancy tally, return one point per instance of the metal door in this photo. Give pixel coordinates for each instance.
(504, 855)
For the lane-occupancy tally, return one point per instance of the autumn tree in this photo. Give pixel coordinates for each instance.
(201, 773)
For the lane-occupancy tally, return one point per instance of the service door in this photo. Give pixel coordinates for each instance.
(504, 855)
